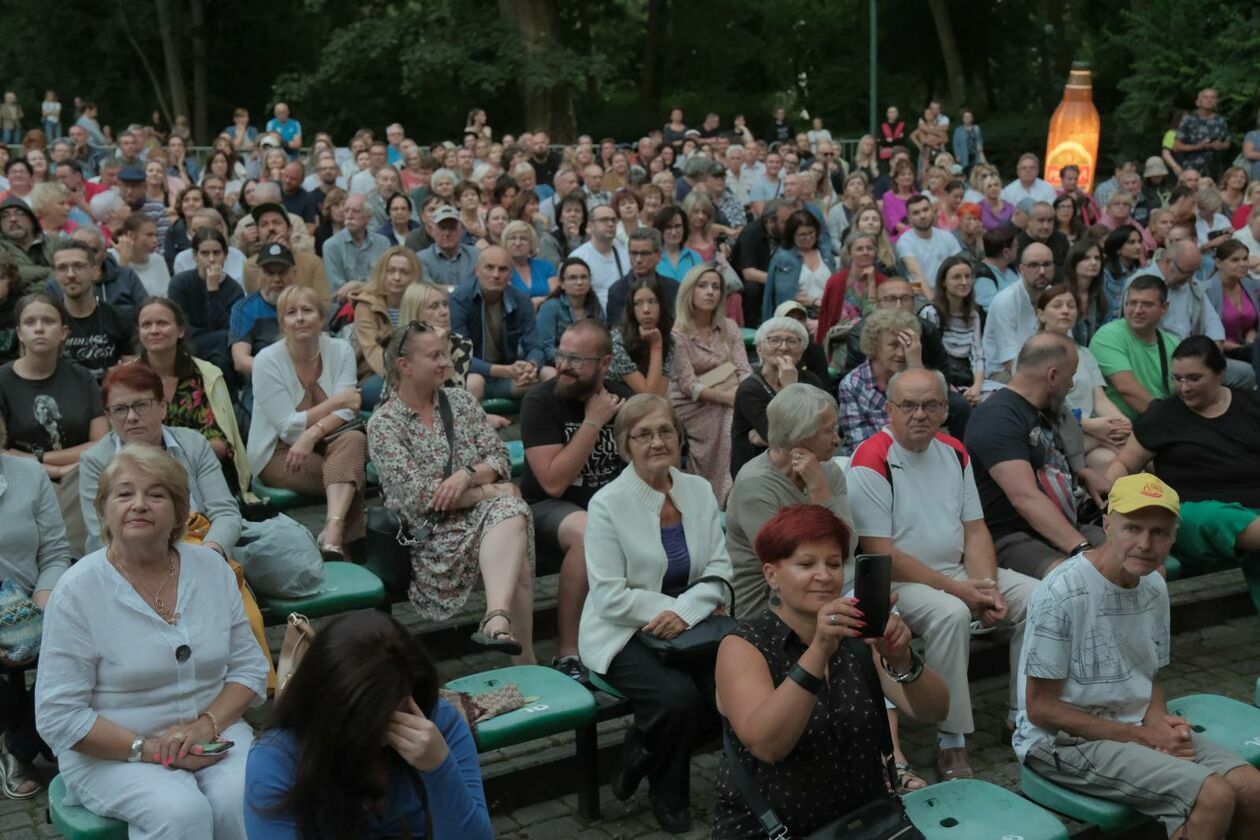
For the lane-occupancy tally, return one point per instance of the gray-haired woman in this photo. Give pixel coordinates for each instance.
(796, 468)
(780, 342)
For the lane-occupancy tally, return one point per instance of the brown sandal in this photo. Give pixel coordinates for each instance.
(908, 781)
(500, 640)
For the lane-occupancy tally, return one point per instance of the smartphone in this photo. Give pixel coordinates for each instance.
(216, 747)
(872, 585)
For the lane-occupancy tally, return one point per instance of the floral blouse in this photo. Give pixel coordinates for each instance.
(189, 408)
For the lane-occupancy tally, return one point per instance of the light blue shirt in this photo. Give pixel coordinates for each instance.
(345, 260)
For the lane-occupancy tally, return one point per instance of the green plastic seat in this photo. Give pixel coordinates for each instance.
(1173, 568)
(372, 476)
(969, 809)
(1225, 721)
(516, 454)
(78, 823)
(603, 685)
(282, 499)
(1110, 817)
(563, 704)
(347, 587)
(1258, 691)
(499, 405)
(750, 337)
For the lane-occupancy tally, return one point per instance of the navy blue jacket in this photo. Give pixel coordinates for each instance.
(520, 338)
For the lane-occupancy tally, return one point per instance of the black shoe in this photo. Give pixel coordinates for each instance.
(570, 666)
(671, 819)
(633, 767)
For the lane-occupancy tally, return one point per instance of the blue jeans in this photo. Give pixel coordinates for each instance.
(11, 136)
(52, 128)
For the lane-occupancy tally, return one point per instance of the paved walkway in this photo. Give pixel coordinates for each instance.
(1224, 659)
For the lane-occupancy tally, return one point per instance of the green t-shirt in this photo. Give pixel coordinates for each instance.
(1118, 350)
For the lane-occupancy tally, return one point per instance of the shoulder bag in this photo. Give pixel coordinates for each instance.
(880, 819)
(388, 537)
(21, 623)
(697, 644)
(298, 635)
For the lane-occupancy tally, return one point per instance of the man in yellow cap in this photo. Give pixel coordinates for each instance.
(1092, 717)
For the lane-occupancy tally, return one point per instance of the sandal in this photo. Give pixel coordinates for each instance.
(908, 780)
(330, 551)
(500, 640)
(14, 772)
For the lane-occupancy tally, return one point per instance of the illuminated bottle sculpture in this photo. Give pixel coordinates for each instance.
(1074, 129)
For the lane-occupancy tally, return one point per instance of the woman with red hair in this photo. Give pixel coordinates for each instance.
(814, 755)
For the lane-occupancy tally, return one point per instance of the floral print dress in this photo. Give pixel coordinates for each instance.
(410, 459)
(189, 408)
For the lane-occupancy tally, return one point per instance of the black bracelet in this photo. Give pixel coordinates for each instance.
(804, 678)
(1084, 545)
(910, 675)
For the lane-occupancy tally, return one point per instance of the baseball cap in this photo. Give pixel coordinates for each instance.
(788, 307)
(269, 141)
(269, 207)
(716, 170)
(1142, 490)
(1154, 166)
(131, 174)
(445, 213)
(274, 253)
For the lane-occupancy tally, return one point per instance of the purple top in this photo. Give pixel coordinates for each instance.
(991, 222)
(679, 568)
(1238, 321)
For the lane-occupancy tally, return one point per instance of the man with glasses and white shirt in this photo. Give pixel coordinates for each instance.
(570, 452)
(608, 259)
(1013, 315)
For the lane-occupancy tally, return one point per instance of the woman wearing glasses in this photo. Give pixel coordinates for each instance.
(466, 520)
(651, 534)
(780, 343)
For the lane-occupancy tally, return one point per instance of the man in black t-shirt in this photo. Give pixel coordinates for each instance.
(99, 336)
(1022, 473)
(570, 452)
(755, 246)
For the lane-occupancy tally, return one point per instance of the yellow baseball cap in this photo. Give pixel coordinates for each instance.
(1142, 490)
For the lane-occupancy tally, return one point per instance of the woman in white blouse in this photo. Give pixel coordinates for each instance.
(650, 535)
(305, 390)
(146, 657)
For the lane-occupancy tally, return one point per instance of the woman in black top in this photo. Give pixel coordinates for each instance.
(794, 686)
(780, 342)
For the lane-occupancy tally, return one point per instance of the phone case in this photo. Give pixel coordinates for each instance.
(872, 584)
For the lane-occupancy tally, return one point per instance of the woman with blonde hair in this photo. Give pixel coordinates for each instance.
(871, 221)
(376, 313)
(533, 276)
(304, 393)
(430, 303)
(709, 363)
(866, 158)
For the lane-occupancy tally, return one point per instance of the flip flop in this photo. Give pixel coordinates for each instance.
(499, 640)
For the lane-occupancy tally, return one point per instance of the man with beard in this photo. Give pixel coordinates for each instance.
(23, 240)
(570, 452)
(1021, 465)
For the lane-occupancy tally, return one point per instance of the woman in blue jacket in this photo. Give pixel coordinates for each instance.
(799, 270)
(361, 746)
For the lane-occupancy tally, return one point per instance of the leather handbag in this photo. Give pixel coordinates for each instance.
(879, 819)
(298, 635)
(697, 644)
(389, 536)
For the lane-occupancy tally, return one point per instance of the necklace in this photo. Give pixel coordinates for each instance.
(303, 361)
(167, 614)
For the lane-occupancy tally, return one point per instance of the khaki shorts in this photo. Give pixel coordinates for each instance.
(1161, 786)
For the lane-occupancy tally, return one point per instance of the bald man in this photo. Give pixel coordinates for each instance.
(498, 318)
(1021, 463)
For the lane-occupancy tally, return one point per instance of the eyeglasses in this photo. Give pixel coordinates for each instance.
(665, 433)
(574, 360)
(782, 341)
(929, 407)
(71, 268)
(1038, 266)
(140, 407)
(642, 254)
(896, 300)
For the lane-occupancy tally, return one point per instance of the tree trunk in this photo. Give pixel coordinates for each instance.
(950, 53)
(144, 62)
(170, 55)
(550, 108)
(649, 78)
(200, 115)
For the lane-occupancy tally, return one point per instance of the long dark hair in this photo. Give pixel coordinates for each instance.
(636, 348)
(336, 706)
(558, 233)
(1111, 250)
(941, 298)
(590, 304)
(184, 364)
(1076, 227)
(1094, 294)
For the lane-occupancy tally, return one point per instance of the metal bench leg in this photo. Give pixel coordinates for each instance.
(587, 744)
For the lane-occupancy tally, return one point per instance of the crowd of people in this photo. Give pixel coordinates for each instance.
(738, 362)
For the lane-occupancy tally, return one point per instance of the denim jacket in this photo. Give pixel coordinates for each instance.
(520, 338)
(554, 317)
(782, 278)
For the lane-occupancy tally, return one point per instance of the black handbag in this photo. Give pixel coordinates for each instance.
(389, 537)
(880, 819)
(696, 644)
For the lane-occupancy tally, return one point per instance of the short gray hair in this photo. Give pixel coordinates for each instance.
(635, 409)
(796, 413)
(647, 234)
(444, 174)
(940, 380)
(104, 204)
(780, 323)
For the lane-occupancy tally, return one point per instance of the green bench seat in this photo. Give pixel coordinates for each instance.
(1223, 720)
(1109, 817)
(282, 499)
(969, 809)
(78, 823)
(516, 454)
(603, 685)
(499, 405)
(750, 337)
(373, 477)
(347, 587)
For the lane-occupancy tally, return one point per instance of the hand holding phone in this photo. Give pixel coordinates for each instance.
(213, 747)
(872, 586)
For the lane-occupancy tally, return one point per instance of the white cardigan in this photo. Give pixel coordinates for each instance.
(626, 562)
(277, 390)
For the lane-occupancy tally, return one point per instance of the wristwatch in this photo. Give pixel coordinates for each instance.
(472, 473)
(137, 750)
(910, 675)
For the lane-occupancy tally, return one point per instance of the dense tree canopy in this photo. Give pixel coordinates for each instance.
(613, 68)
